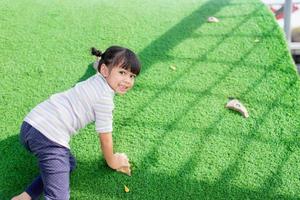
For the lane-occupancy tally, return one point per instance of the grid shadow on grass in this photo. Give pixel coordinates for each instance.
(218, 189)
(186, 187)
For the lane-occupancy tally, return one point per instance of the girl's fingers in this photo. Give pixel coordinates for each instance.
(123, 159)
(125, 163)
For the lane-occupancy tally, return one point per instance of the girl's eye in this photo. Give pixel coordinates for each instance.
(132, 76)
(122, 72)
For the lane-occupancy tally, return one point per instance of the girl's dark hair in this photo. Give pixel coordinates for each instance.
(118, 56)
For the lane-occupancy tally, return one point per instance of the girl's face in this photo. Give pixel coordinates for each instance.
(119, 79)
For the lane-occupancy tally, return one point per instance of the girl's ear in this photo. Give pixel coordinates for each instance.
(104, 70)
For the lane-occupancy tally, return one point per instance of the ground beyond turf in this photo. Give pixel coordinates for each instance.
(182, 143)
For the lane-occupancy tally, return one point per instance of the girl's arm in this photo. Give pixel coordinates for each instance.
(114, 161)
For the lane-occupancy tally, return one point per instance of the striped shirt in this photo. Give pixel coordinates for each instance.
(63, 114)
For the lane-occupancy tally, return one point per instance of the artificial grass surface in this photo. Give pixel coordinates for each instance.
(181, 141)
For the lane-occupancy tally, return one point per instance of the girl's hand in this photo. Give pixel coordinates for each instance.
(119, 160)
(126, 168)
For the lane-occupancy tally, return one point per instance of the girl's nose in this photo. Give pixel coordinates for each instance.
(128, 79)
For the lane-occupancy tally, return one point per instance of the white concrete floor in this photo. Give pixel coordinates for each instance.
(270, 2)
(277, 1)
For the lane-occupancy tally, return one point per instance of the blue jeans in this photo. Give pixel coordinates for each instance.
(55, 164)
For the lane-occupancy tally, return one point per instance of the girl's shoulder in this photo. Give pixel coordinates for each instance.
(96, 84)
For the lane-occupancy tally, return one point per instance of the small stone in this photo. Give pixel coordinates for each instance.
(234, 104)
(213, 20)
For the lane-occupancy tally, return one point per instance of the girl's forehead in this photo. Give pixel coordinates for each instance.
(125, 66)
(123, 69)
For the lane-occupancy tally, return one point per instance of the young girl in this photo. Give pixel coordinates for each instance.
(47, 129)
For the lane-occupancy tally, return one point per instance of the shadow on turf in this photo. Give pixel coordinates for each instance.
(146, 184)
(95, 179)
(106, 184)
(90, 71)
(156, 51)
(18, 167)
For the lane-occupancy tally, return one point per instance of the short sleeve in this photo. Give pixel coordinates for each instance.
(103, 110)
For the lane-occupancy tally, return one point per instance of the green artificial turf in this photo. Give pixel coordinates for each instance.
(181, 141)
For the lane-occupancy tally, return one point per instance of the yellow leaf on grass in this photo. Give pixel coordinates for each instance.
(173, 67)
(126, 189)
